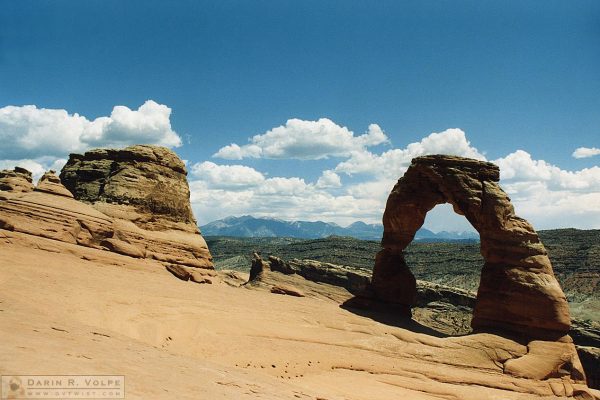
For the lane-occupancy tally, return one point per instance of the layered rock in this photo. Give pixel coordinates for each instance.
(316, 271)
(143, 184)
(518, 291)
(134, 202)
(16, 181)
(50, 183)
(48, 211)
(301, 278)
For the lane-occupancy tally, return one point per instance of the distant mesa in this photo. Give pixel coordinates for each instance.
(249, 226)
(133, 201)
(518, 291)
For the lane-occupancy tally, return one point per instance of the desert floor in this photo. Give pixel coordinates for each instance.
(67, 309)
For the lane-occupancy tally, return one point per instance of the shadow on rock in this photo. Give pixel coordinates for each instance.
(389, 314)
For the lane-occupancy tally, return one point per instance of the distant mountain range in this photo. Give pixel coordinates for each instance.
(248, 226)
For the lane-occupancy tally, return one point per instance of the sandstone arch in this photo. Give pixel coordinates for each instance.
(518, 291)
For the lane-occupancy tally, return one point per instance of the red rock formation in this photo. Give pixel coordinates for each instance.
(144, 184)
(50, 183)
(518, 291)
(134, 202)
(18, 180)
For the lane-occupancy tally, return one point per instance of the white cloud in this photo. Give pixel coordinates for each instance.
(284, 187)
(227, 176)
(28, 132)
(329, 179)
(549, 209)
(378, 189)
(149, 124)
(293, 198)
(305, 140)
(548, 196)
(585, 152)
(218, 191)
(520, 167)
(545, 194)
(235, 152)
(284, 199)
(394, 162)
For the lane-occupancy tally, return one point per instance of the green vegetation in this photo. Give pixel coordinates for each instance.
(236, 252)
(575, 256)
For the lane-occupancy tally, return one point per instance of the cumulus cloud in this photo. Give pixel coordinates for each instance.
(549, 196)
(293, 198)
(149, 124)
(585, 152)
(40, 139)
(520, 167)
(394, 162)
(227, 176)
(218, 191)
(329, 179)
(545, 194)
(28, 132)
(284, 198)
(305, 140)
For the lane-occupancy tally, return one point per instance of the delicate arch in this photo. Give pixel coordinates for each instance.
(518, 291)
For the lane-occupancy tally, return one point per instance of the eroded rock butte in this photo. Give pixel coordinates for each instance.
(134, 201)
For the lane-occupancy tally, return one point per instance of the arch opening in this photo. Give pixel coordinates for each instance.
(446, 261)
(445, 223)
(446, 250)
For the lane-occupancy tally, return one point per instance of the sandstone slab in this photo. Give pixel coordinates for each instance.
(225, 342)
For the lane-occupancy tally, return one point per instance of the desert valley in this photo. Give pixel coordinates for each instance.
(105, 272)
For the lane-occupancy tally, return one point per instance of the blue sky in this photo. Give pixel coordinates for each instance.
(512, 75)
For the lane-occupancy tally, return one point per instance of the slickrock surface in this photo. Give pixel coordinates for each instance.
(439, 310)
(142, 211)
(518, 291)
(70, 309)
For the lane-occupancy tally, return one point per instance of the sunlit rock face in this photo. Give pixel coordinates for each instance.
(518, 291)
(145, 184)
(18, 180)
(50, 183)
(134, 201)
